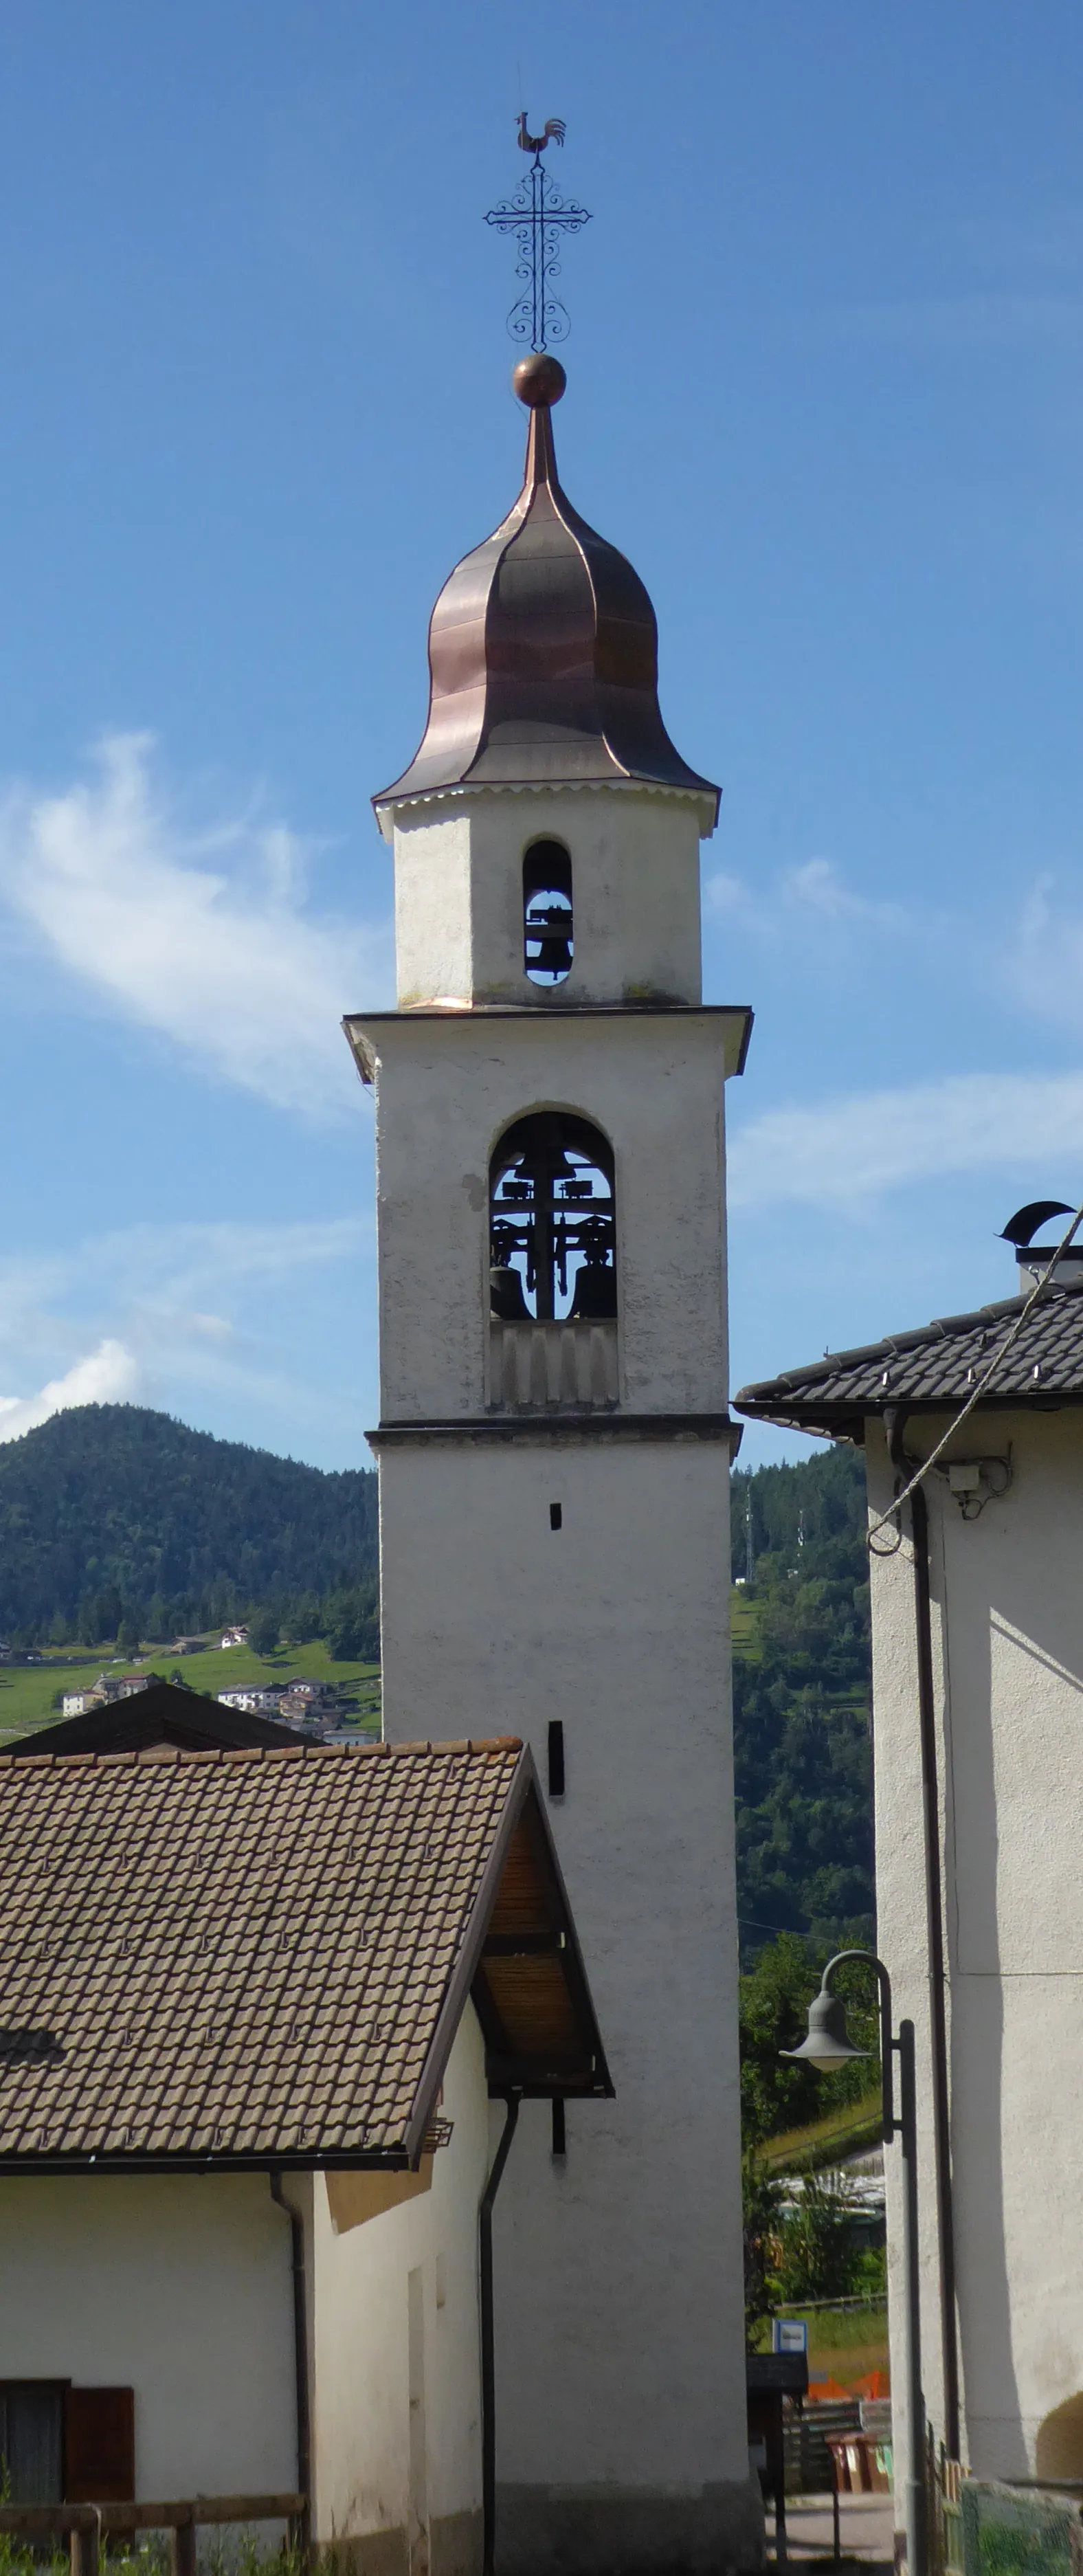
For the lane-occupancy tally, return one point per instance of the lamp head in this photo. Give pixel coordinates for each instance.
(827, 2045)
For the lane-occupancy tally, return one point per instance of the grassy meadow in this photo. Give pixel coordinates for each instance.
(27, 1691)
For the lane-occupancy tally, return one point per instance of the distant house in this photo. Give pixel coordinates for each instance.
(187, 1646)
(251, 1696)
(234, 1637)
(112, 1686)
(301, 1700)
(76, 1701)
(287, 2016)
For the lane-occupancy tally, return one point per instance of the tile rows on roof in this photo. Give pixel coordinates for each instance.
(239, 1952)
(938, 1364)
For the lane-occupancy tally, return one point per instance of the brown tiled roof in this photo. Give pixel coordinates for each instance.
(161, 1714)
(934, 1367)
(261, 1956)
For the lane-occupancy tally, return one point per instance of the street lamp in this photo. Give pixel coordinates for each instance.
(827, 2047)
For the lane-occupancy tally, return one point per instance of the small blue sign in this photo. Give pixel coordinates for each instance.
(789, 2334)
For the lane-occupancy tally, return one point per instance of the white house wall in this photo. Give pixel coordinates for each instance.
(368, 2387)
(1008, 1658)
(178, 2288)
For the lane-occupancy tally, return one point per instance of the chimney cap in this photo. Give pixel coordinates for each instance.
(1023, 1226)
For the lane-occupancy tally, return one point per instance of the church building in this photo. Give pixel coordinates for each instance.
(554, 1451)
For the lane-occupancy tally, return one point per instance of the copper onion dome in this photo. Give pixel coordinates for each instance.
(543, 648)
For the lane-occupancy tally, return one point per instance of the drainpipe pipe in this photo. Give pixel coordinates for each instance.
(300, 2355)
(934, 1895)
(488, 2347)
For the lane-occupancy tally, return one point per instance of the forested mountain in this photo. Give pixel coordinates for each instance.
(111, 1511)
(801, 1688)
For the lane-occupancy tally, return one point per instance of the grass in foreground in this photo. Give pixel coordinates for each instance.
(821, 2142)
(843, 2343)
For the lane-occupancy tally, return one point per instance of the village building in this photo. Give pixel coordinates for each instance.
(554, 1450)
(977, 1627)
(252, 1696)
(246, 2173)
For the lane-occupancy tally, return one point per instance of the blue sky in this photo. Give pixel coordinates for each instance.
(825, 387)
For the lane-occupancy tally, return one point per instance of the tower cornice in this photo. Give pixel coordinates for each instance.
(392, 816)
(737, 1032)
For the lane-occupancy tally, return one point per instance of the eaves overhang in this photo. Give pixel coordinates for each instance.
(935, 1368)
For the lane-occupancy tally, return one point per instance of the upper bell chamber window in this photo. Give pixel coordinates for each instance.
(553, 1246)
(547, 913)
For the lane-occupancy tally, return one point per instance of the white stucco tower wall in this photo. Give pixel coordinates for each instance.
(554, 1495)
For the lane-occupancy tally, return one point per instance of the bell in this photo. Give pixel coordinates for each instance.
(595, 1297)
(554, 954)
(549, 927)
(506, 1300)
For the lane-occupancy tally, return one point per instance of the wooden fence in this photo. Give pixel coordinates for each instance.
(85, 2526)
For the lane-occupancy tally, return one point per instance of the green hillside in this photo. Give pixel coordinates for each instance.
(801, 1694)
(111, 1514)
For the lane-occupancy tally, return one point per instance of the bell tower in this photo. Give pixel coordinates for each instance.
(554, 1450)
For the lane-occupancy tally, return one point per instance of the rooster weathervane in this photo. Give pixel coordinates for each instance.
(539, 217)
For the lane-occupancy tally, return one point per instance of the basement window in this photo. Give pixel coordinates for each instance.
(552, 1224)
(548, 946)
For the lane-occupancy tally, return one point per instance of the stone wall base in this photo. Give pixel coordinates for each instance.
(454, 2548)
(630, 2531)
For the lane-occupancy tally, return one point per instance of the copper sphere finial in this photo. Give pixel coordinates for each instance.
(539, 379)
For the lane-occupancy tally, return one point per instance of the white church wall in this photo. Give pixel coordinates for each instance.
(1008, 1641)
(178, 2287)
(449, 1089)
(396, 2367)
(617, 1625)
(635, 893)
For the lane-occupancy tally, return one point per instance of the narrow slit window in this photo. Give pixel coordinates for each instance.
(556, 1516)
(548, 945)
(556, 1757)
(553, 1236)
(560, 2126)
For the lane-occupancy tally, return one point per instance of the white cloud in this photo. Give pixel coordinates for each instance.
(801, 899)
(144, 1295)
(201, 935)
(1044, 967)
(109, 1375)
(859, 1146)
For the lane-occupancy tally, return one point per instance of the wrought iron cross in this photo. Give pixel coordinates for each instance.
(539, 217)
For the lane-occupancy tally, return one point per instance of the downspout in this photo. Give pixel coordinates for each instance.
(300, 2355)
(488, 2346)
(934, 1893)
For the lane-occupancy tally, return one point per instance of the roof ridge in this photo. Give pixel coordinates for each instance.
(217, 1755)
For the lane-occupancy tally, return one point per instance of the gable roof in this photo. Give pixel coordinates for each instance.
(162, 1714)
(262, 1958)
(935, 1367)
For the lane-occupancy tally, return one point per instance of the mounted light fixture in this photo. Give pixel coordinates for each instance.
(827, 2047)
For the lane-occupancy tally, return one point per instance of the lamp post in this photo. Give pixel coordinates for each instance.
(828, 2047)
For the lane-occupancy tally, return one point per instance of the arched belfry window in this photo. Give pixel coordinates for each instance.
(547, 912)
(553, 1247)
